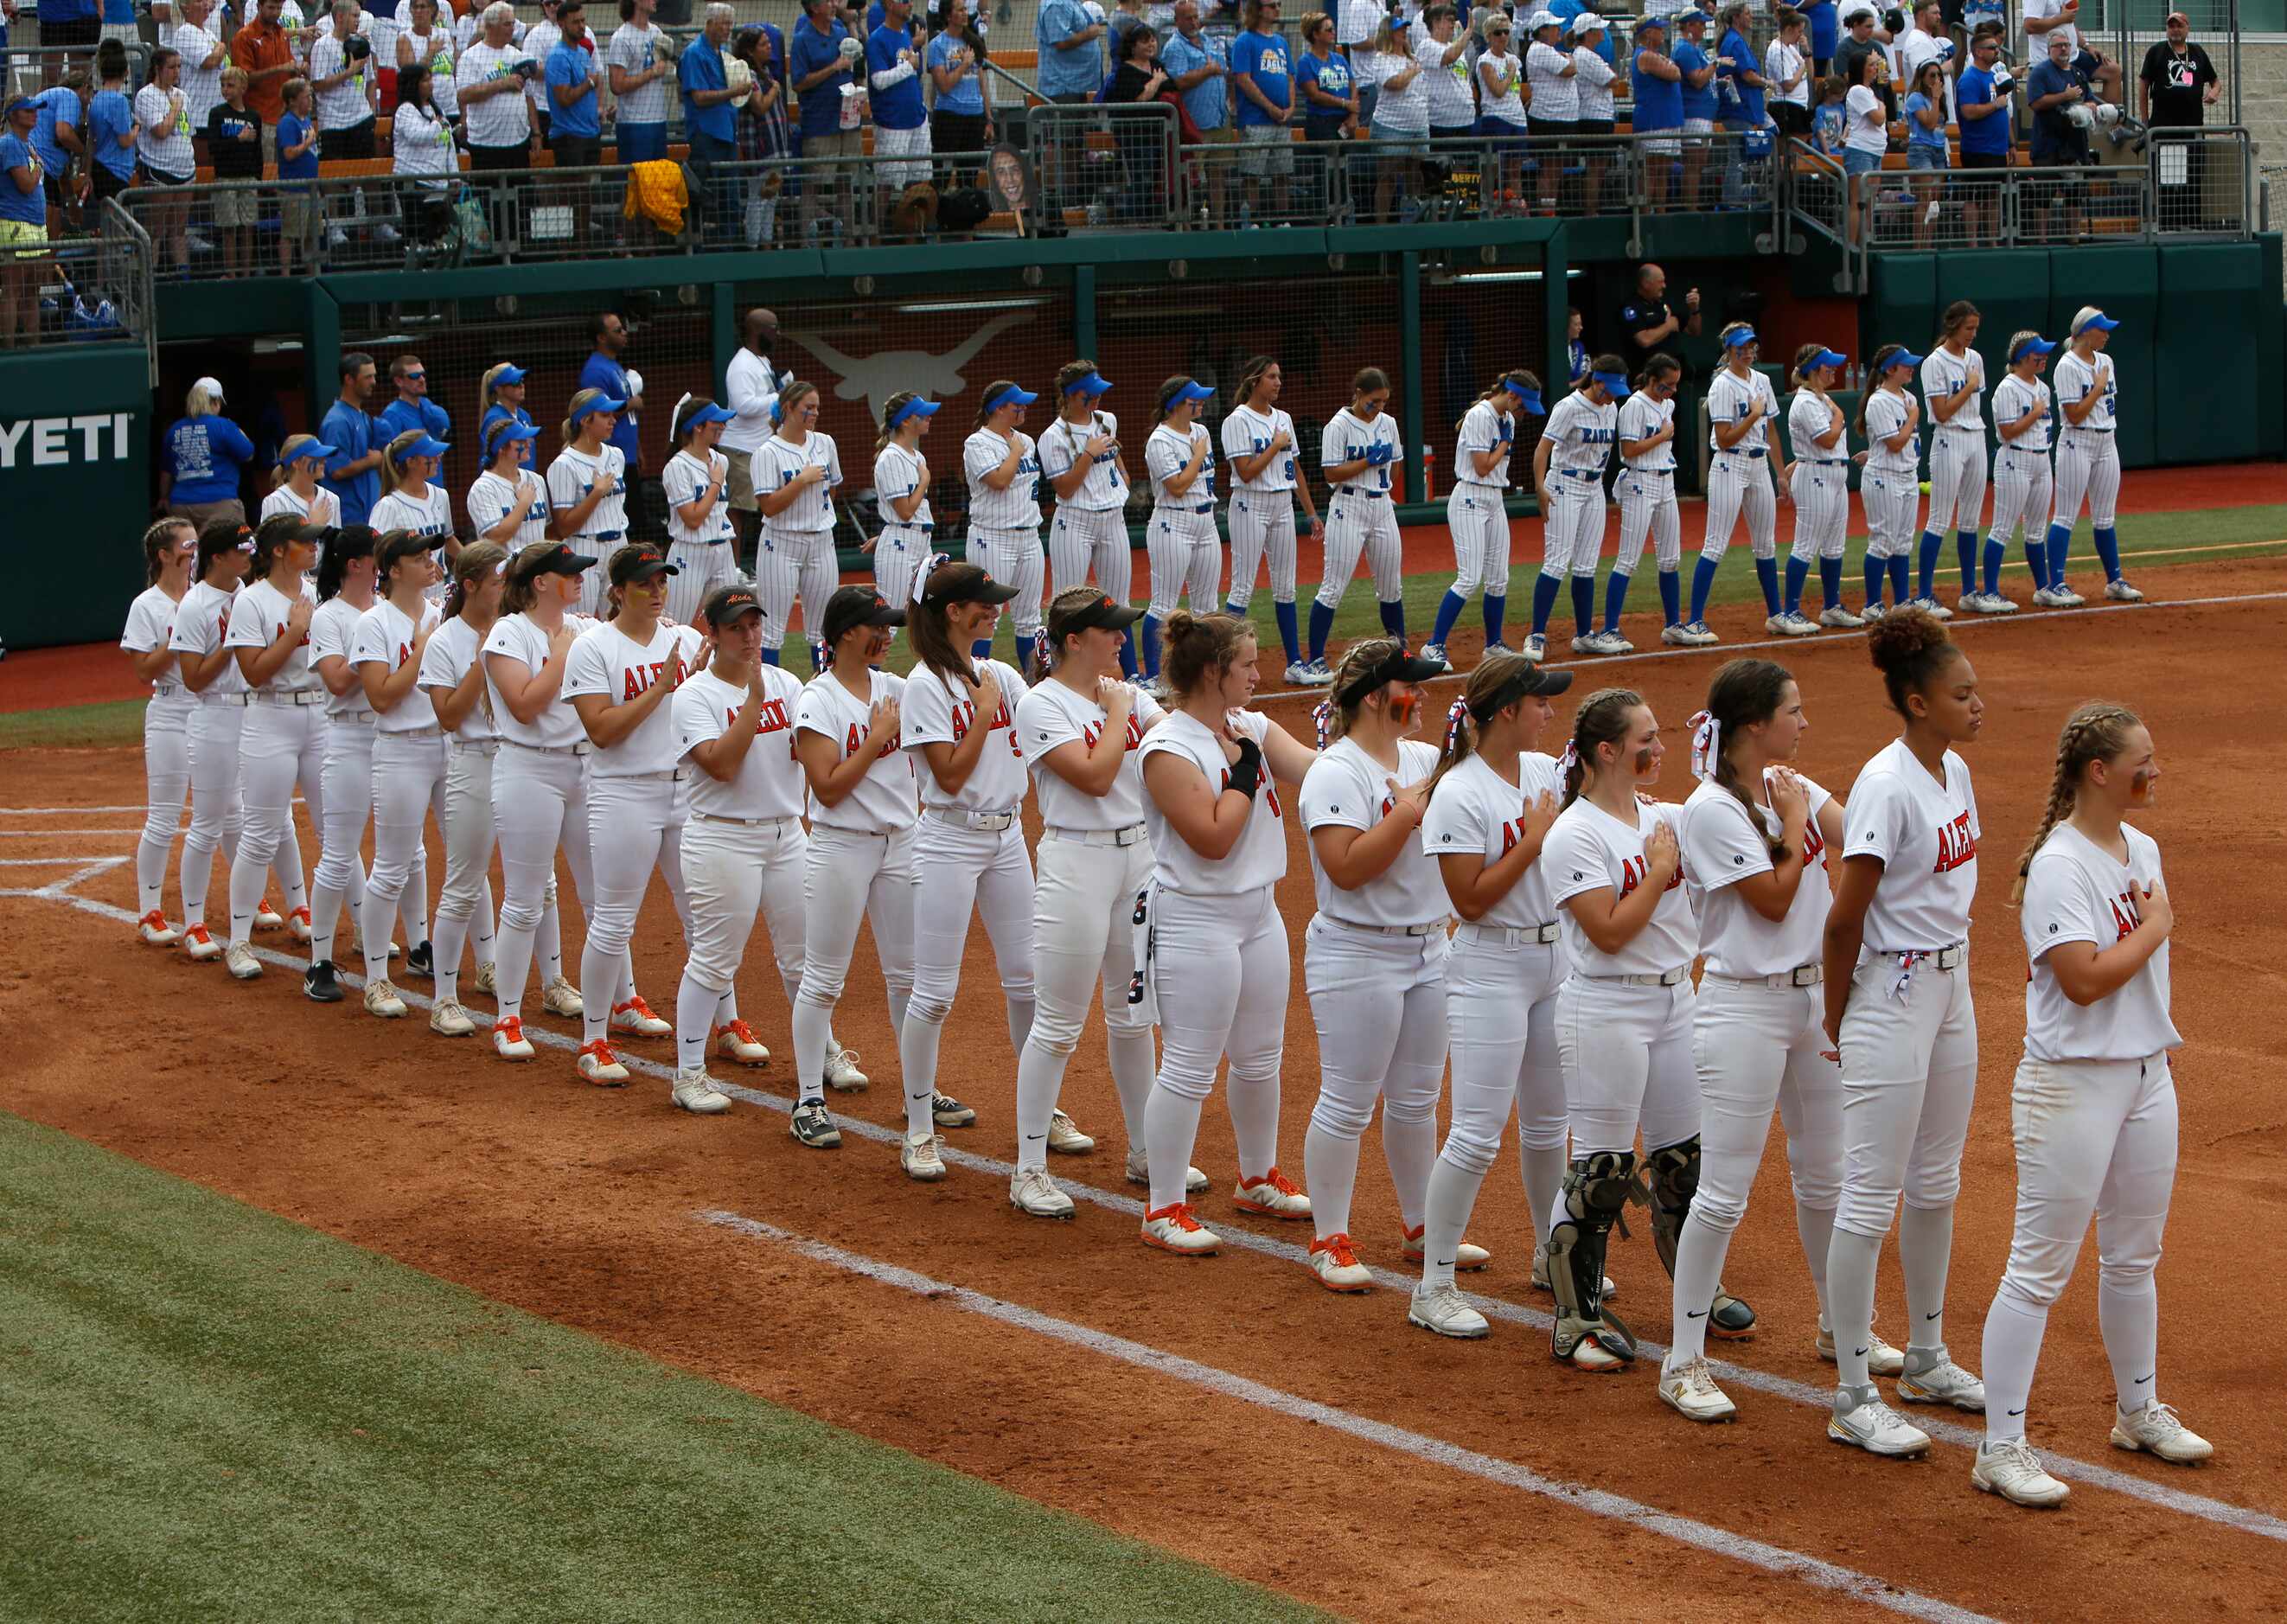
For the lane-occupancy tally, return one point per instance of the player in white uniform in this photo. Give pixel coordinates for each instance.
(344, 583)
(1953, 390)
(1374, 958)
(1212, 969)
(797, 471)
(408, 755)
(1568, 473)
(1358, 456)
(2022, 482)
(901, 489)
(170, 550)
(508, 503)
(620, 679)
(1889, 487)
(1493, 801)
(1646, 487)
(1740, 475)
(862, 808)
(2088, 460)
(293, 485)
(211, 676)
(1475, 510)
(1080, 728)
(696, 482)
(587, 490)
(1002, 467)
(2094, 1101)
(1897, 974)
(1181, 543)
(1259, 445)
(743, 848)
(414, 501)
(1821, 477)
(1087, 471)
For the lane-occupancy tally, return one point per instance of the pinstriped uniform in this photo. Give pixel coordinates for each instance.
(2022, 480)
(1819, 480)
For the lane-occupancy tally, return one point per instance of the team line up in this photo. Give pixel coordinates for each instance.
(1564, 995)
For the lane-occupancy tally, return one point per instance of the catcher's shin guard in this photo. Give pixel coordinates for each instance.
(1587, 1333)
(1674, 1175)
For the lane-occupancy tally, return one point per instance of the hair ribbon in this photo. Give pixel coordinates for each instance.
(1706, 745)
(1454, 716)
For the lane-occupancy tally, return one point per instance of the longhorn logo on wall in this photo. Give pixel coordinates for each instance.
(874, 378)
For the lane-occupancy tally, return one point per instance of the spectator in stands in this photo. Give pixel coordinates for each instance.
(68, 25)
(1866, 139)
(413, 408)
(23, 224)
(604, 369)
(640, 57)
(1071, 71)
(2177, 82)
(1823, 30)
(205, 54)
(426, 41)
(2043, 18)
(1928, 41)
(1442, 50)
(1743, 110)
(203, 468)
(1984, 94)
(764, 131)
(1552, 102)
(820, 58)
(902, 131)
(2053, 91)
(1865, 38)
(1596, 121)
(1143, 142)
(1263, 83)
(489, 84)
(501, 396)
(1400, 122)
(962, 117)
(573, 71)
(341, 73)
(707, 126)
(1499, 74)
(1927, 151)
(1322, 75)
(233, 137)
(162, 140)
(540, 42)
(1828, 120)
(58, 113)
(263, 51)
(1656, 83)
(1356, 23)
(1198, 71)
(300, 206)
(1695, 76)
(111, 131)
(1126, 16)
(355, 476)
(1786, 67)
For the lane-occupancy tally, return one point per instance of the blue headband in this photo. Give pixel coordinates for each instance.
(911, 409)
(1616, 383)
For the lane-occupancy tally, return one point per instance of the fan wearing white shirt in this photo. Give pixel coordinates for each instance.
(2094, 1100)
(1002, 468)
(1185, 553)
(1476, 512)
(797, 471)
(696, 481)
(901, 494)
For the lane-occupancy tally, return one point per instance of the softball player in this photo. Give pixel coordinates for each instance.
(1079, 729)
(1088, 473)
(2088, 461)
(1740, 410)
(1953, 389)
(171, 548)
(862, 808)
(508, 504)
(1356, 454)
(1493, 801)
(1475, 513)
(957, 724)
(797, 471)
(2094, 1102)
(1821, 477)
(1896, 975)
(743, 848)
(1374, 958)
(211, 678)
(408, 755)
(587, 492)
(1646, 428)
(294, 483)
(2022, 476)
(1212, 969)
(1185, 553)
(620, 679)
(1567, 472)
(901, 487)
(700, 544)
(1003, 470)
(1258, 445)
(1890, 420)
(501, 395)
(413, 502)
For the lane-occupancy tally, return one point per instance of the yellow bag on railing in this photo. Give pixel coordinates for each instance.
(655, 190)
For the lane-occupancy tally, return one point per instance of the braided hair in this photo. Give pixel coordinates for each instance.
(1333, 716)
(2096, 731)
(1603, 719)
(1481, 700)
(1744, 692)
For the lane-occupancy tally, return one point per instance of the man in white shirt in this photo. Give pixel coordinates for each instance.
(2043, 16)
(750, 388)
(1924, 40)
(489, 84)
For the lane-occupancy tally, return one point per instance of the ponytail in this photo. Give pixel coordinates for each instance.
(1601, 719)
(1883, 357)
(478, 559)
(1742, 693)
(156, 542)
(2096, 731)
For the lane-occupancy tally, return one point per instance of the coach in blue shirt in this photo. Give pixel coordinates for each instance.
(604, 371)
(354, 479)
(413, 408)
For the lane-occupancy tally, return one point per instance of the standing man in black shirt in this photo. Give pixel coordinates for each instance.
(2177, 86)
(1651, 320)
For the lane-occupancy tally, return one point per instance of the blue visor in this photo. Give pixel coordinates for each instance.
(1828, 358)
(301, 454)
(1616, 383)
(913, 408)
(606, 404)
(2100, 323)
(709, 413)
(1192, 392)
(1010, 396)
(2032, 347)
(1904, 358)
(1745, 334)
(509, 375)
(1094, 384)
(1645, 25)
(428, 445)
(505, 430)
(1529, 401)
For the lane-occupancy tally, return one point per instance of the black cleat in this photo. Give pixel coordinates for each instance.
(422, 963)
(319, 985)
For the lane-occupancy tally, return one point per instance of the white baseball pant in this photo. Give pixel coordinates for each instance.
(166, 782)
(848, 873)
(1821, 509)
(1909, 1077)
(346, 778)
(211, 742)
(1627, 1052)
(408, 783)
(1737, 484)
(988, 871)
(1015, 557)
(1361, 526)
(1091, 541)
(701, 566)
(1186, 557)
(280, 747)
(1083, 938)
(1957, 480)
(2095, 1138)
(1479, 524)
(1377, 1002)
(795, 564)
(1262, 527)
(731, 869)
(1755, 1046)
(2023, 485)
(898, 552)
(1573, 535)
(1219, 973)
(1891, 499)
(1647, 507)
(540, 806)
(464, 907)
(2088, 466)
(628, 816)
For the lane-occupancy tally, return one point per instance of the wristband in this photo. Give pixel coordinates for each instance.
(1245, 774)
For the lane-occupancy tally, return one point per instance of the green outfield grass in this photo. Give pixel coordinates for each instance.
(212, 1413)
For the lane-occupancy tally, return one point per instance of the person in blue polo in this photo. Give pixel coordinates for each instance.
(708, 120)
(413, 408)
(355, 477)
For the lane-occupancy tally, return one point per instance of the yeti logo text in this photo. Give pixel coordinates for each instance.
(46, 442)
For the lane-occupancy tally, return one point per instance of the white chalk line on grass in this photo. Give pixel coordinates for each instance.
(2221, 1513)
(1436, 1452)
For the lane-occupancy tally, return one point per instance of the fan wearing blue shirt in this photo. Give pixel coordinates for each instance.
(1262, 81)
(821, 66)
(575, 126)
(55, 109)
(1697, 79)
(708, 121)
(893, 83)
(1741, 69)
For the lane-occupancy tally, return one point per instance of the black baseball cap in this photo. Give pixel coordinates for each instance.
(1398, 667)
(1105, 612)
(283, 527)
(726, 604)
(639, 562)
(852, 606)
(964, 583)
(563, 561)
(1533, 679)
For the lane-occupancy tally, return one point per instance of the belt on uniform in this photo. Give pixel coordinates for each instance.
(1184, 507)
(288, 696)
(1963, 428)
(925, 527)
(1582, 473)
(1132, 835)
(1822, 462)
(1667, 978)
(702, 541)
(1937, 958)
(987, 823)
(1347, 924)
(744, 823)
(1757, 452)
(1344, 490)
(1802, 975)
(165, 690)
(1506, 936)
(581, 749)
(844, 828)
(667, 777)
(604, 536)
(2082, 428)
(434, 731)
(352, 719)
(481, 746)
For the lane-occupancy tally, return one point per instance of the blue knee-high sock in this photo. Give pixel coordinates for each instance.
(1899, 581)
(1830, 581)
(1322, 621)
(1496, 612)
(1544, 587)
(1703, 582)
(2037, 558)
(2060, 548)
(1798, 571)
(2108, 551)
(1996, 550)
(1616, 599)
(1393, 617)
(1449, 610)
(982, 649)
(1127, 655)
(1584, 604)
(1671, 596)
(1767, 576)
(1237, 612)
(1284, 614)
(1926, 563)
(1149, 624)
(769, 656)
(1876, 567)
(1965, 552)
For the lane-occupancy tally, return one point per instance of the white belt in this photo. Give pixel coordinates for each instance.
(1937, 958)
(745, 823)
(667, 777)
(288, 696)
(987, 823)
(165, 690)
(432, 730)
(1667, 978)
(581, 749)
(1132, 835)
(844, 828)
(1802, 975)
(1425, 930)
(351, 719)
(481, 746)
(1506, 936)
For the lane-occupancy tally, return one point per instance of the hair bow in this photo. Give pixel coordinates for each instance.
(1040, 647)
(1454, 716)
(1706, 745)
(1567, 762)
(1323, 716)
(929, 566)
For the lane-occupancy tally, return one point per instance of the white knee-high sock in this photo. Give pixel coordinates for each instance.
(479, 931)
(1699, 1254)
(899, 998)
(325, 920)
(1133, 1063)
(1453, 1197)
(452, 936)
(2130, 1318)
(694, 1023)
(918, 1042)
(1925, 1254)
(600, 974)
(1330, 1162)
(727, 1009)
(413, 905)
(811, 1032)
(545, 951)
(151, 874)
(1816, 1225)
(1544, 1187)
(1040, 1078)
(1254, 1122)
(1410, 1148)
(2013, 1330)
(1171, 1130)
(286, 866)
(1020, 1023)
(1850, 1300)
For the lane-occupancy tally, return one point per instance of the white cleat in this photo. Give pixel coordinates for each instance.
(841, 1069)
(737, 1041)
(2049, 597)
(450, 1020)
(239, 959)
(1613, 642)
(1932, 607)
(1587, 643)
(509, 1041)
(920, 1159)
(1322, 676)
(2155, 1431)
(1861, 1419)
(1693, 634)
(1337, 1266)
(1139, 1172)
(695, 1092)
(1274, 1195)
(1690, 1391)
(1435, 651)
(2121, 593)
(1994, 603)
(2013, 1471)
(155, 931)
(266, 917)
(1882, 1360)
(598, 1065)
(1065, 1139)
(1840, 619)
(1794, 625)
(1536, 648)
(1031, 1192)
(482, 981)
(635, 1018)
(1466, 1259)
(1443, 1310)
(381, 999)
(297, 923)
(1174, 1229)
(560, 998)
(1932, 1377)
(201, 946)
(1298, 674)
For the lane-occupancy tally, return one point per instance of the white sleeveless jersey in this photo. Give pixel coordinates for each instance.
(1248, 432)
(2077, 379)
(1885, 414)
(2013, 397)
(1641, 417)
(1017, 505)
(1258, 859)
(1348, 436)
(2077, 892)
(884, 800)
(557, 725)
(1720, 848)
(1810, 415)
(1476, 810)
(573, 475)
(777, 463)
(1347, 788)
(256, 618)
(201, 623)
(1589, 850)
(383, 637)
(769, 782)
(897, 472)
(1063, 444)
(1051, 715)
(1926, 834)
(1944, 373)
(444, 663)
(1167, 454)
(492, 499)
(686, 479)
(1483, 429)
(933, 713)
(1730, 398)
(607, 661)
(1580, 435)
(332, 630)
